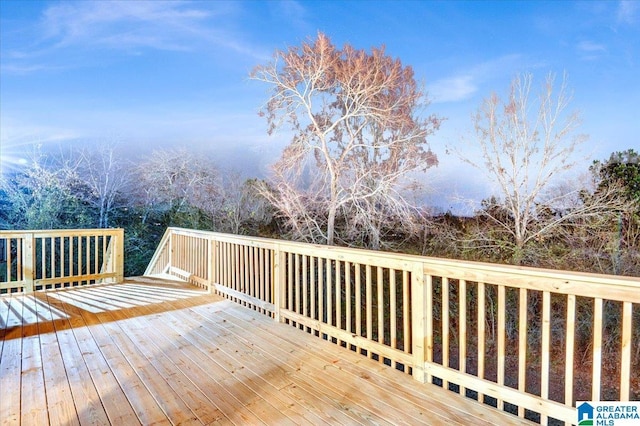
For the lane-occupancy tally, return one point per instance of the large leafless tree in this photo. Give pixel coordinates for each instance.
(527, 147)
(357, 135)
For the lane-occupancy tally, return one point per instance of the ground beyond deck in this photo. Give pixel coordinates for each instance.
(157, 352)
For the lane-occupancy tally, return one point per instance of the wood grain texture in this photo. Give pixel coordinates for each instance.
(151, 351)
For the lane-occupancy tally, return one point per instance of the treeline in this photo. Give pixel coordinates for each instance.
(100, 187)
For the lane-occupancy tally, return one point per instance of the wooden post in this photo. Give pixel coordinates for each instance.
(170, 249)
(210, 264)
(119, 255)
(279, 278)
(418, 321)
(28, 265)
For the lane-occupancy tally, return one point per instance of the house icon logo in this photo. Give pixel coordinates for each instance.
(585, 414)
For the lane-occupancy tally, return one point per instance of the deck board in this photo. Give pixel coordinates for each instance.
(11, 364)
(159, 352)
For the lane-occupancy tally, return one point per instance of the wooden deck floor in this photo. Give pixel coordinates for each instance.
(155, 352)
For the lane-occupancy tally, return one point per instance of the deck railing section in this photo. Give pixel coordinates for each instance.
(40, 260)
(525, 340)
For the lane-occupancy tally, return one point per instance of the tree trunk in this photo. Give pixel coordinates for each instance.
(331, 223)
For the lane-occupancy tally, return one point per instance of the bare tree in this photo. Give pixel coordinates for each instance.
(527, 147)
(241, 205)
(356, 137)
(107, 175)
(177, 180)
(43, 195)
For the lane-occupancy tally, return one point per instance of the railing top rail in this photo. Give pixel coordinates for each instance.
(473, 271)
(44, 233)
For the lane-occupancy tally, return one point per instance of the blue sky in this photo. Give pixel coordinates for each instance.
(156, 74)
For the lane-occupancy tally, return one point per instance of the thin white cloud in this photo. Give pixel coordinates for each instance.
(628, 11)
(462, 86)
(452, 89)
(123, 25)
(21, 69)
(130, 27)
(291, 11)
(590, 47)
(590, 51)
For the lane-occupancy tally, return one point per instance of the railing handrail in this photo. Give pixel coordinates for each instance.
(156, 254)
(476, 269)
(47, 233)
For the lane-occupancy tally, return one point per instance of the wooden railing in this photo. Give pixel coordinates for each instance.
(40, 260)
(525, 340)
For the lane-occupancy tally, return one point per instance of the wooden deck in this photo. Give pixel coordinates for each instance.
(157, 352)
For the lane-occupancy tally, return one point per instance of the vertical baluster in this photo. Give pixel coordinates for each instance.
(546, 347)
(96, 247)
(482, 304)
(314, 285)
(290, 281)
(305, 285)
(203, 259)
(248, 276)
(381, 307)
(191, 256)
(329, 295)
(10, 260)
(88, 256)
(72, 256)
(406, 313)
(262, 274)
(625, 351)
(297, 284)
(338, 296)
(20, 258)
(235, 268)
(52, 260)
(321, 305)
(200, 258)
(462, 330)
(252, 270)
(369, 303)
(43, 257)
(218, 268)
(597, 349)
(393, 312)
(63, 249)
(522, 345)
(358, 305)
(348, 307)
(227, 265)
(502, 321)
(445, 326)
(428, 291)
(570, 349)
